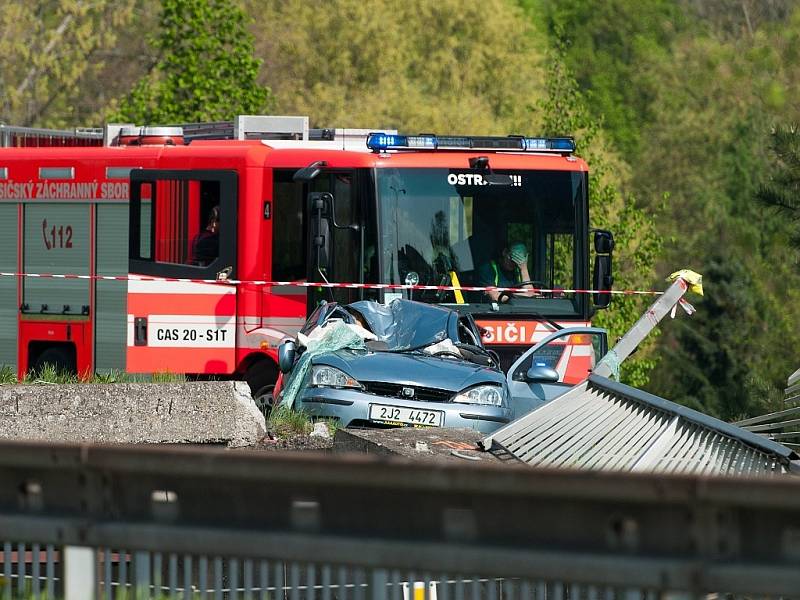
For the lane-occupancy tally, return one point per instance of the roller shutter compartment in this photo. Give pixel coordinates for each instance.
(110, 296)
(8, 286)
(57, 242)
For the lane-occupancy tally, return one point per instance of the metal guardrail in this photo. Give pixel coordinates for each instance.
(792, 391)
(305, 526)
(12, 136)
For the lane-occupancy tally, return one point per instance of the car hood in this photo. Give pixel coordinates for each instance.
(410, 369)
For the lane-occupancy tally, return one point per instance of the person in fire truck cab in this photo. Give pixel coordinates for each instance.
(205, 245)
(510, 269)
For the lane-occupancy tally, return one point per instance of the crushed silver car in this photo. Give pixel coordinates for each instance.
(416, 364)
(405, 364)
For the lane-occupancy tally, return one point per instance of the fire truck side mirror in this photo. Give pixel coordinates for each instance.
(320, 204)
(603, 241)
(603, 277)
(603, 280)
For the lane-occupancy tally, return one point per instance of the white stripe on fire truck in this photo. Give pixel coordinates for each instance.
(200, 319)
(582, 350)
(187, 331)
(138, 286)
(563, 363)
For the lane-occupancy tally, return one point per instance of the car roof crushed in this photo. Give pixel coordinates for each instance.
(405, 324)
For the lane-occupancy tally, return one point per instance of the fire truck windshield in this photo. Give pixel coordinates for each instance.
(451, 227)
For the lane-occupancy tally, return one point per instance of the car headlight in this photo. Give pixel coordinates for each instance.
(323, 376)
(491, 395)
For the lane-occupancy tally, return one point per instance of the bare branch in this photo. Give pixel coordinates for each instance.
(33, 72)
(747, 18)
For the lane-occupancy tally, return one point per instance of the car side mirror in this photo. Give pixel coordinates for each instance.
(286, 354)
(541, 374)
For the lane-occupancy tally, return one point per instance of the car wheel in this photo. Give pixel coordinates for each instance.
(261, 378)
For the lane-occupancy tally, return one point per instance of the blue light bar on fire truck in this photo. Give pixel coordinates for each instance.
(378, 142)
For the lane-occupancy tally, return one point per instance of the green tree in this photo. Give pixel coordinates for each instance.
(637, 241)
(204, 71)
(707, 147)
(606, 43)
(714, 360)
(782, 191)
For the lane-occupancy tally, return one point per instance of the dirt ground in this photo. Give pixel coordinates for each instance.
(427, 444)
(297, 442)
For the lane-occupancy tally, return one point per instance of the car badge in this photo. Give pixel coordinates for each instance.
(408, 392)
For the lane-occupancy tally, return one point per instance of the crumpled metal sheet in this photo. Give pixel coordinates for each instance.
(604, 425)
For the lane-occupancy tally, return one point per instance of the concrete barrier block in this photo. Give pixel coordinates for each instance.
(198, 412)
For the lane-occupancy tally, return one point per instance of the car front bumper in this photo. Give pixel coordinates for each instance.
(352, 407)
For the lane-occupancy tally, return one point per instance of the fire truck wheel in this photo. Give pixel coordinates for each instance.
(261, 378)
(57, 358)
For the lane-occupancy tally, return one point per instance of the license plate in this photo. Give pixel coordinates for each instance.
(407, 416)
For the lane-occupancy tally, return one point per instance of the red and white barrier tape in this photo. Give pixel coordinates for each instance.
(325, 284)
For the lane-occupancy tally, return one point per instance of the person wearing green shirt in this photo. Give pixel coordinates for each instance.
(508, 270)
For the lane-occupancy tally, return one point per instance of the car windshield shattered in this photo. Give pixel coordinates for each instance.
(405, 325)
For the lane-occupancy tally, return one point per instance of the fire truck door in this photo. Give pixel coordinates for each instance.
(348, 238)
(181, 313)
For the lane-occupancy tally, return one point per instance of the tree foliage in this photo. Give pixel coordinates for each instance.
(565, 112)
(205, 69)
(606, 44)
(446, 66)
(708, 148)
(782, 191)
(53, 58)
(688, 92)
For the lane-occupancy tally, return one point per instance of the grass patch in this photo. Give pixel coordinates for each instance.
(333, 424)
(286, 422)
(51, 375)
(112, 376)
(166, 377)
(7, 375)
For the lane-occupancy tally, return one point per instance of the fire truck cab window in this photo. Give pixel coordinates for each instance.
(186, 222)
(346, 252)
(348, 261)
(447, 227)
(288, 229)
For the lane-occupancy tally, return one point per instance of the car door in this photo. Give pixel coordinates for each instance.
(557, 363)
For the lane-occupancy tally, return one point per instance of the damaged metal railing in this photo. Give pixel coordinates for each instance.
(782, 426)
(194, 523)
(604, 425)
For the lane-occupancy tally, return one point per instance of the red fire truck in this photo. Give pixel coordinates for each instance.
(269, 199)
